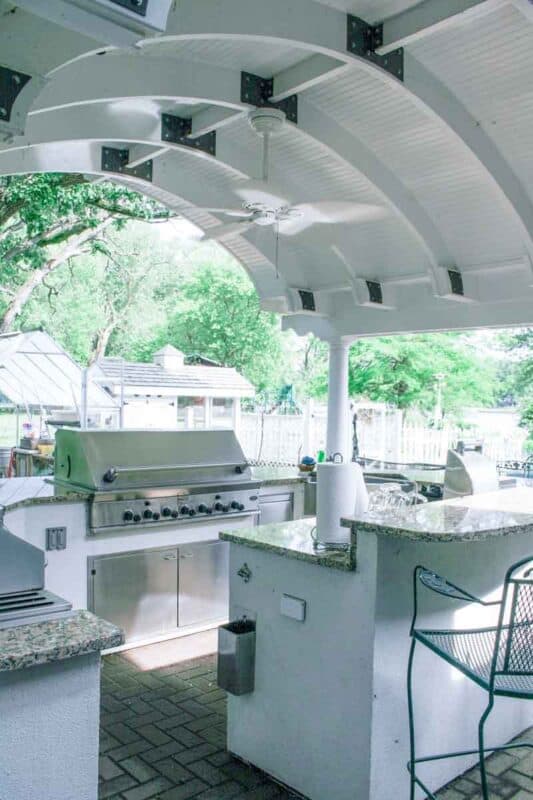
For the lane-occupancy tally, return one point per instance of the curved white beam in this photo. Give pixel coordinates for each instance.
(134, 81)
(171, 185)
(319, 29)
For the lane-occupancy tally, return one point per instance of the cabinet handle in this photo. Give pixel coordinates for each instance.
(187, 555)
(170, 558)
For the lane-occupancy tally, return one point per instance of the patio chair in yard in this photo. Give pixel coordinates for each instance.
(499, 659)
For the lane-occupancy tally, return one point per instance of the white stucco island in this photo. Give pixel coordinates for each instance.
(328, 714)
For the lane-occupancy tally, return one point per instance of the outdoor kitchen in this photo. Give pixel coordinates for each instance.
(220, 222)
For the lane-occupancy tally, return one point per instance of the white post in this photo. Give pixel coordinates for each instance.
(338, 435)
(237, 416)
(83, 410)
(121, 411)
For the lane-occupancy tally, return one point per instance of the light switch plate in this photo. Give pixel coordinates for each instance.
(293, 607)
(56, 538)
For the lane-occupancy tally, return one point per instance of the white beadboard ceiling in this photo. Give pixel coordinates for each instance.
(362, 137)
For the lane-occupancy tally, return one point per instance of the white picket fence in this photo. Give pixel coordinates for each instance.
(383, 434)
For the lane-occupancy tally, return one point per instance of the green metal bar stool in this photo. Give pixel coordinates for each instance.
(498, 659)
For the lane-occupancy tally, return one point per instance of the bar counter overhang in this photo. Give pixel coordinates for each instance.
(328, 715)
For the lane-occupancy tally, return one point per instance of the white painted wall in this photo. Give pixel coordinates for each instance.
(307, 722)
(49, 733)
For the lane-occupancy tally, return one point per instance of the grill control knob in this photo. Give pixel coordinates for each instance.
(175, 513)
(148, 513)
(166, 511)
(128, 516)
(156, 515)
(237, 506)
(203, 509)
(225, 509)
(184, 510)
(137, 517)
(218, 507)
(192, 512)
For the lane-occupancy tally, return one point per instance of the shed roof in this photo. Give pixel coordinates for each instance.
(36, 372)
(185, 381)
(428, 117)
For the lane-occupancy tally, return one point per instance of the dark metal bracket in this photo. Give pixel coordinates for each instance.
(456, 282)
(375, 293)
(177, 129)
(363, 40)
(11, 84)
(258, 91)
(139, 7)
(116, 160)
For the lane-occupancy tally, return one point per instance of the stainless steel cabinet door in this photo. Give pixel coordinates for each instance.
(137, 591)
(203, 582)
(275, 508)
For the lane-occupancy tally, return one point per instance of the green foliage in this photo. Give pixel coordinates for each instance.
(41, 214)
(219, 316)
(403, 370)
(519, 377)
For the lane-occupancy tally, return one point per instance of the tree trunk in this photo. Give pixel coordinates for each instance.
(36, 277)
(102, 340)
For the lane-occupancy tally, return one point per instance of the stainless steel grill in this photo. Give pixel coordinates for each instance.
(23, 597)
(164, 478)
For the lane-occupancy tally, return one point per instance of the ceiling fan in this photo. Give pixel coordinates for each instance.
(264, 206)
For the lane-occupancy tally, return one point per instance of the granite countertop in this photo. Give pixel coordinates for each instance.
(20, 492)
(501, 513)
(293, 540)
(77, 634)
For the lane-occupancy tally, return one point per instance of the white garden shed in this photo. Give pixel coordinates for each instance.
(168, 393)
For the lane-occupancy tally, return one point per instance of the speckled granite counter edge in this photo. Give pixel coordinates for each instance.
(46, 499)
(38, 643)
(438, 536)
(345, 561)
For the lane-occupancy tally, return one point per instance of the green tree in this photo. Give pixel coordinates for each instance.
(403, 370)
(518, 377)
(219, 316)
(47, 220)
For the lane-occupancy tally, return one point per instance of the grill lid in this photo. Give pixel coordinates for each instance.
(103, 460)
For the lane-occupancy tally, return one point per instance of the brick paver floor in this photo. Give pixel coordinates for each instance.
(163, 738)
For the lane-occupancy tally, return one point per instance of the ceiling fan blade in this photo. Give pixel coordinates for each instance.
(294, 225)
(338, 211)
(220, 232)
(261, 192)
(229, 212)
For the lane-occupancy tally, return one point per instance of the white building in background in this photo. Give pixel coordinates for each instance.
(169, 393)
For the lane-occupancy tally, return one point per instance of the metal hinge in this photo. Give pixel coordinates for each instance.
(178, 129)
(363, 40)
(258, 91)
(116, 160)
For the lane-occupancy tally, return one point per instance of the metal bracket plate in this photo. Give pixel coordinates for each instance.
(258, 91)
(135, 6)
(362, 40)
(11, 84)
(375, 294)
(456, 282)
(177, 129)
(116, 160)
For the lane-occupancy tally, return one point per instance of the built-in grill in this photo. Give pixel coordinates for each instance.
(23, 598)
(151, 477)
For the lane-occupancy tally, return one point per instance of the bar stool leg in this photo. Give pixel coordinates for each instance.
(481, 738)
(412, 765)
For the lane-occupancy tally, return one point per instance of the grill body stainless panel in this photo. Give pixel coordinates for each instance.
(158, 478)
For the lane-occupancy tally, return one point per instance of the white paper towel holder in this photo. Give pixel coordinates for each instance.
(334, 458)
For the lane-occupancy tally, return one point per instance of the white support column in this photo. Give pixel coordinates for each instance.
(338, 435)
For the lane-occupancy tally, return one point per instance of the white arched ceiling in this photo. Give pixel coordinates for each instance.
(455, 175)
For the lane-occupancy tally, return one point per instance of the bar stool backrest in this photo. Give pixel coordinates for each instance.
(514, 646)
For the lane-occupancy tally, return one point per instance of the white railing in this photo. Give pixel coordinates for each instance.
(382, 434)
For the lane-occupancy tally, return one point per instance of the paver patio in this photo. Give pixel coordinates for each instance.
(163, 738)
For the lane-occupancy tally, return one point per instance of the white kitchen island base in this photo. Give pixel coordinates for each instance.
(328, 715)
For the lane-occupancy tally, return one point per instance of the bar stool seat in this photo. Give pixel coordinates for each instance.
(471, 652)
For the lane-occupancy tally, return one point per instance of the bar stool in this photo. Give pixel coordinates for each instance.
(498, 659)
